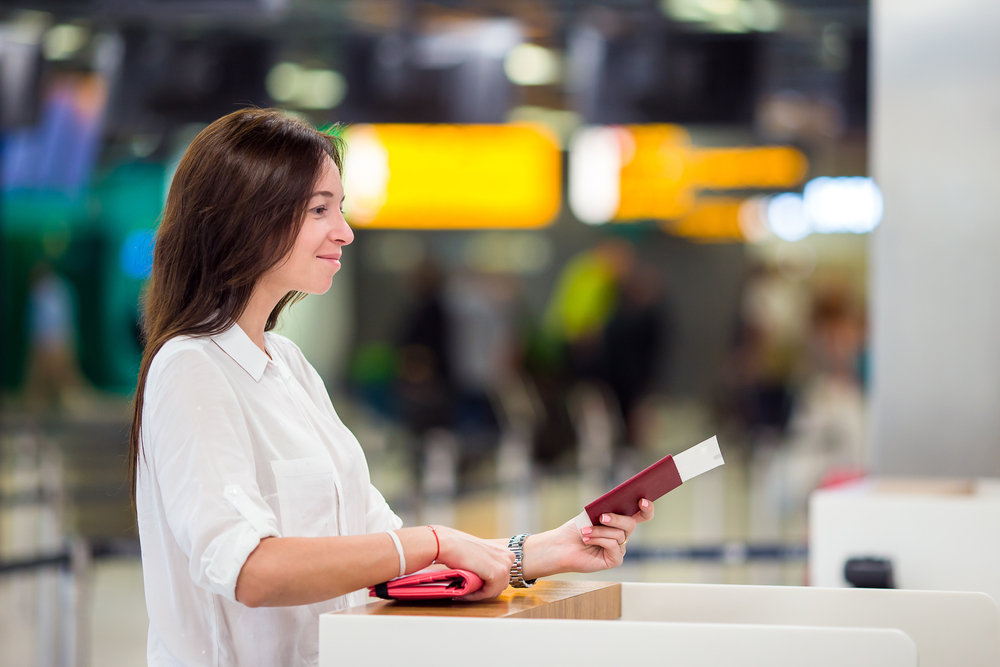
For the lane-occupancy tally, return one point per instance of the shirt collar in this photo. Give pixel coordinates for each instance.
(242, 350)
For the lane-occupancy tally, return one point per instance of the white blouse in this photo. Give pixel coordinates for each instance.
(238, 447)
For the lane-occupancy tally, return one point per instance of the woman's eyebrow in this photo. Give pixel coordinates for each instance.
(322, 193)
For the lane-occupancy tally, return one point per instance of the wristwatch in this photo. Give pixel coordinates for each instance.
(517, 579)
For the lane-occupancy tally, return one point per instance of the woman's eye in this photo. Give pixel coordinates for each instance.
(319, 210)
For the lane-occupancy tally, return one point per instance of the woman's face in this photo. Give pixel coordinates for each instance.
(315, 256)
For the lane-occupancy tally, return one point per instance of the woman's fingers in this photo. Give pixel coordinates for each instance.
(495, 582)
(645, 512)
(614, 551)
(616, 534)
(491, 562)
(490, 589)
(624, 523)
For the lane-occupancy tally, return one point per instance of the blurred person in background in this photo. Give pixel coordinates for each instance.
(545, 368)
(825, 438)
(828, 425)
(425, 383)
(53, 375)
(772, 327)
(583, 301)
(773, 317)
(635, 340)
(487, 312)
(254, 503)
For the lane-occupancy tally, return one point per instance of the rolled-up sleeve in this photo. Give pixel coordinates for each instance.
(203, 463)
(379, 517)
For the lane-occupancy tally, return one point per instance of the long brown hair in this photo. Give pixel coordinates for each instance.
(233, 212)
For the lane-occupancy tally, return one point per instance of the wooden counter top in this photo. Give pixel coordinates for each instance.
(593, 600)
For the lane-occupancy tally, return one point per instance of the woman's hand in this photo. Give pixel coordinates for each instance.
(487, 559)
(600, 547)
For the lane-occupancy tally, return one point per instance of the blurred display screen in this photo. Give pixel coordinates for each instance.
(451, 176)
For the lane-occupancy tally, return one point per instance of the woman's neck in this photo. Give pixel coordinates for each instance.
(254, 316)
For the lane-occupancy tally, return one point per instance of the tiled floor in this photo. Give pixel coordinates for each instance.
(117, 617)
(119, 620)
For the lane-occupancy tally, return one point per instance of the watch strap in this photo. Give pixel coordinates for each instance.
(517, 579)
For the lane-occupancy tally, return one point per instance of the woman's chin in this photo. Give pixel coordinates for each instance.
(325, 286)
(321, 286)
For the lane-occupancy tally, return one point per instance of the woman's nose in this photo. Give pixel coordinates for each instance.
(342, 232)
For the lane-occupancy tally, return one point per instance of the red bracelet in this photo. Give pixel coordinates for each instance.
(438, 544)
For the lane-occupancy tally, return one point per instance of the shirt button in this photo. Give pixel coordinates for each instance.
(234, 492)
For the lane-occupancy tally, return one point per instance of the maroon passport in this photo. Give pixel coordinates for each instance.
(651, 484)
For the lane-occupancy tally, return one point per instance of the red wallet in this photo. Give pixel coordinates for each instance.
(428, 585)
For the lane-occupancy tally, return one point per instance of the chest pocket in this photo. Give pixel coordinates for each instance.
(307, 496)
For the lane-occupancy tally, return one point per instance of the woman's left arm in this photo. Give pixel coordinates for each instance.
(565, 549)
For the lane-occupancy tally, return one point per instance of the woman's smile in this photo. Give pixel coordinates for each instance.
(332, 258)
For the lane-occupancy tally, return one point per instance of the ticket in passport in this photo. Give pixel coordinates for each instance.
(654, 482)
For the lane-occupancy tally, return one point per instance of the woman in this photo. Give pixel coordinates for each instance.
(254, 504)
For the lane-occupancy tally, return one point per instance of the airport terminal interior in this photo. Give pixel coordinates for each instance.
(588, 235)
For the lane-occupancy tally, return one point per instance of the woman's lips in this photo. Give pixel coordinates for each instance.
(333, 259)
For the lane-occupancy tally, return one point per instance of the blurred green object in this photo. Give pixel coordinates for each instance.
(129, 198)
(28, 212)
(374, 364)
(584, 297)
(372, 375)
(82, 239)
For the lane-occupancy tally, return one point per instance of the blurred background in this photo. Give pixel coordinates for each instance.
(589, 234)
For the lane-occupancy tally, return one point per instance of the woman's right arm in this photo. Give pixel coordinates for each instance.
(285, 571)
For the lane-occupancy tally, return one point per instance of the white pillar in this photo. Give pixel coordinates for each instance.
(936, 257)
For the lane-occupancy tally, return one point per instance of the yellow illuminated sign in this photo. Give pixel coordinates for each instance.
(662, 172)
(710, 220)
(653, 172)
(451, 176)
(768, 167)
(655, 181)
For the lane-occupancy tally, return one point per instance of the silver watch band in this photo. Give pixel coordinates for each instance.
(517, 579)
